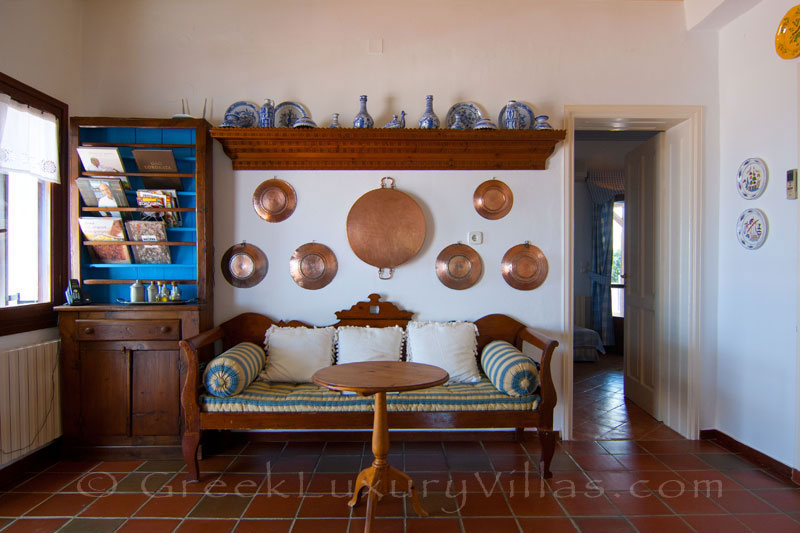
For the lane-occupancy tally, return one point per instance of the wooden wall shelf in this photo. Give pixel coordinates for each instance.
(387, 149)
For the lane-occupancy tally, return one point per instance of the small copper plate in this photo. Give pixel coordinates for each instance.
(244, 265)
(524, 267)
(493, 199)
(313, 266)
(274, 200)
(458, 266)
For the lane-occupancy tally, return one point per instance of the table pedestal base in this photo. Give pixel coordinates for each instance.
(380, 478)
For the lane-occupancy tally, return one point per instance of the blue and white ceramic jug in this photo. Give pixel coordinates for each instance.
(511, 117)
(266, 115)
(429, 120)
(363, 119)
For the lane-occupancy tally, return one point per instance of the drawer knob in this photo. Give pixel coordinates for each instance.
(88, 330)
(164, 329)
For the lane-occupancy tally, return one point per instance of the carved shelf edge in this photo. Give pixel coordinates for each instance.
(387, 149)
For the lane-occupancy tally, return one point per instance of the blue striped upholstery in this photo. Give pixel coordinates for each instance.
(231, 371)
(511, 371)
(310, 398)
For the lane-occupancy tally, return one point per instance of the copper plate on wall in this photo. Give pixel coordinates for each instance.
(274, 200)
(244, 265)
(493, 199)
(458, 266)
(385, 228)
(313, 265)
(524, 267)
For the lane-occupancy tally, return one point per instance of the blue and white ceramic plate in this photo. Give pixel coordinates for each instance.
(241, 115)
(287, 113)
(468, 112)
(751, 228)
(525, 117)
(752, 178)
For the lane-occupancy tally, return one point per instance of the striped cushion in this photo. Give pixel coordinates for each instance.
(511, 371)
(231, 371)
(262, 397)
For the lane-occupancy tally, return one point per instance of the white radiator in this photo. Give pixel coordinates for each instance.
(30, 405)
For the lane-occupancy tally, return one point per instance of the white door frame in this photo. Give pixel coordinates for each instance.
(636, 117)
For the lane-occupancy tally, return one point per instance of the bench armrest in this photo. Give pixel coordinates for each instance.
(548, 388)
(190, 359)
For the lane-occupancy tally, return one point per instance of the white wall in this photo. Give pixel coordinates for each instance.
(146, 55)
(756, 381)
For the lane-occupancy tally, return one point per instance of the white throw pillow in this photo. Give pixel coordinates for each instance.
(294, 354)
(452, 346)
(356, 344)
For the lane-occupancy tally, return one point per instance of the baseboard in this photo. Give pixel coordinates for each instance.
(11, 474)
(754, 456)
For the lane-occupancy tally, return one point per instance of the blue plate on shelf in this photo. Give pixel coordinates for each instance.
(241, 115)
(287, 113)
(526, 118)
(468, 112)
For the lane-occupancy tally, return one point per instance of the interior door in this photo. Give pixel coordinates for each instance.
(641, 355)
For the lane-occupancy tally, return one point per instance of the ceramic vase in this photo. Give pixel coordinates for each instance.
(429, 120)
(511, 116)
(335, 121)
(540, 123)
(363, 119)
(457, 124)
(266, 115)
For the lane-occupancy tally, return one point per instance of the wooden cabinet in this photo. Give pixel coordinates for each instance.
(121, 363)
(121, 373)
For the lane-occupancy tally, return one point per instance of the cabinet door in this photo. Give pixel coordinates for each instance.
(104, 392)
(156, 393)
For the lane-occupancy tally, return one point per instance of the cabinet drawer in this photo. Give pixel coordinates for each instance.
(88, 330)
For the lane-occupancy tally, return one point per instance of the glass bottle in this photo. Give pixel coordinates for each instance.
(363, 119)
(174, 293)
(429, 120)
(163, 295)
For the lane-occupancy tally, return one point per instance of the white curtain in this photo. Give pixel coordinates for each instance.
(28, 141)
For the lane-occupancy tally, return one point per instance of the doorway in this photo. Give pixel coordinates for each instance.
(601, 409)
(665, 372)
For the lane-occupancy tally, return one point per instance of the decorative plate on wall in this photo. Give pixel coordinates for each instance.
(787, 39)
(274, 200)
(458, 266)
(524, 267)
(751, 228)
(244, 265)
(493, 199)
(752, 178)
(313, 266)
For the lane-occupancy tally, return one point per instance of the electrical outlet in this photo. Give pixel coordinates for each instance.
(475, 237)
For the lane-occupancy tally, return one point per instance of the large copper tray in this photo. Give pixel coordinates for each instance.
(274, 200)
(313, 266)
(493, 199)
(524, 267)
(244, 265)
(385, 228)
(458, 266)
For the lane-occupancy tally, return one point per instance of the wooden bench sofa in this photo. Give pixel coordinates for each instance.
(251, 327)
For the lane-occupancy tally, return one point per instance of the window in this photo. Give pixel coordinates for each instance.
(618, 260)
(33, 229)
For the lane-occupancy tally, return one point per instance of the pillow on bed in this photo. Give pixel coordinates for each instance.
(233, 370)
(452, 346)
(294, 354)
(509, 370)
(356, 344)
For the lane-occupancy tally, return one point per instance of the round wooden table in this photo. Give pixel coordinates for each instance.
(378, 378)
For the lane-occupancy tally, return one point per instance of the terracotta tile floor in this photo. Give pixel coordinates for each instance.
(646, 479)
